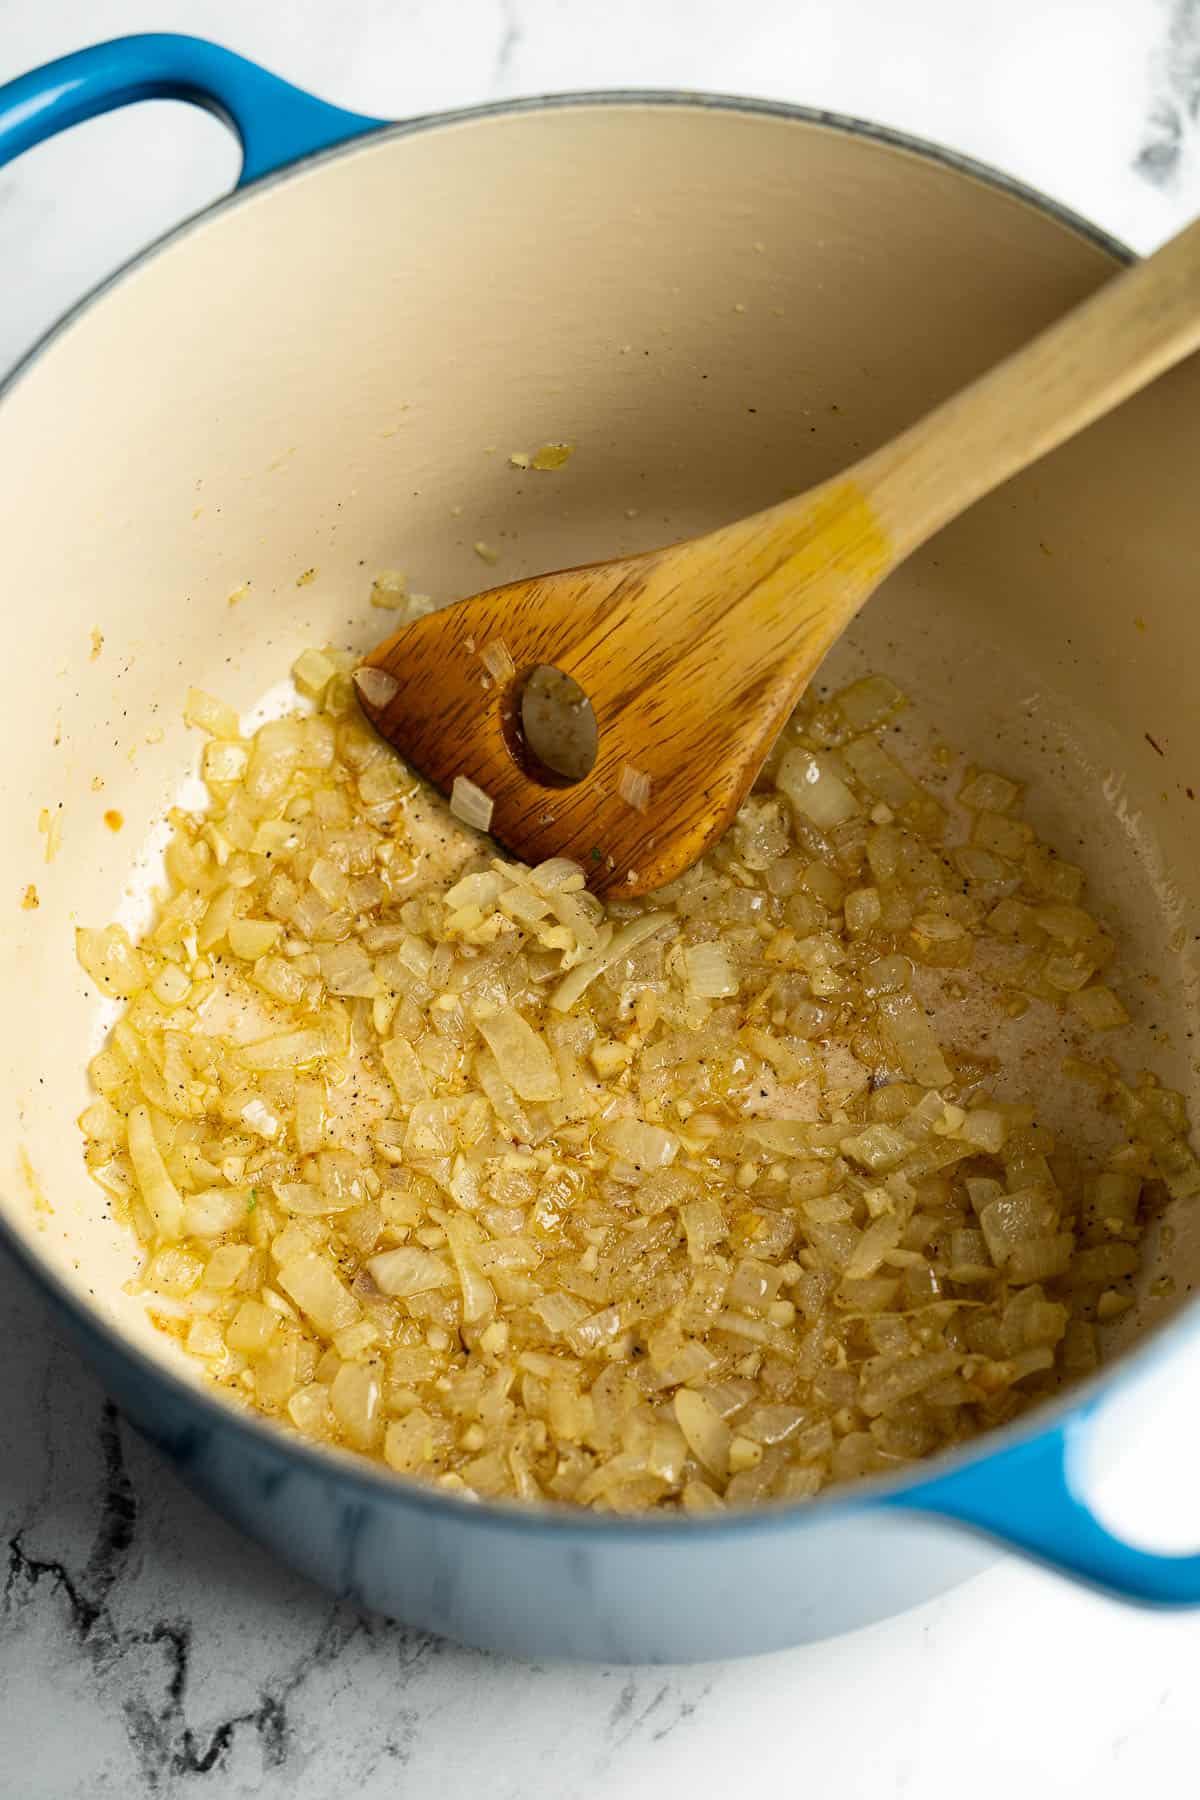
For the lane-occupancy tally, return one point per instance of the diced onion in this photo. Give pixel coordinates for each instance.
(550, 456)
(389, 589)
(1099, 1008)
(346, 969)
(286, 1050)
(376, 686)
(409, 1270)
(111, 960)
(522, 1057)
(252, 1327)
(444, 1160)
(252, 938)
(312, 672)
(558, 875)
(223, 761)
(633, 785)
(816, 789)
(470, 804)
(478, 1295)
(622, 944)
(497, 661)
(171, 985)
(429, 1132)
(987, 792)
(911, 1037)
(706, 1432)
(157, 1189)
(214, 1212)
(646, 1146)
(869, 703)
(314, 1285)
(710, 971)
(405, 1071)
(210, 715)
(880, 774)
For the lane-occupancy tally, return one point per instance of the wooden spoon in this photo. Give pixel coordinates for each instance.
(694, 655)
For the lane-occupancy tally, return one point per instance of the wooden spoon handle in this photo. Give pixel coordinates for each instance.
(1105, 349)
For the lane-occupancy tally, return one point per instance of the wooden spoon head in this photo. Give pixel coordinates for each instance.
(692, 658)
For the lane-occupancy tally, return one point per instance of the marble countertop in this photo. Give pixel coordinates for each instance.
(148, 1650)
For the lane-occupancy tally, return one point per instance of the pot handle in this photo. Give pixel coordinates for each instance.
(1028, 1497)
(275, 122)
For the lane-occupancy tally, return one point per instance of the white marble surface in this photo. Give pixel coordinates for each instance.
(145, 1649)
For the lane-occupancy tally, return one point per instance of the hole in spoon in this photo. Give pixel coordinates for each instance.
(558, 735)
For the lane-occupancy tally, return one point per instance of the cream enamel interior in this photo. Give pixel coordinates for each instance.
(717, 307)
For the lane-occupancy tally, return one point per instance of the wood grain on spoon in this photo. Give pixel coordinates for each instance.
(694, 655)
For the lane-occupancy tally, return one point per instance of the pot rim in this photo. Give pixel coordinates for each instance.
(370, 1479)
(698, 100)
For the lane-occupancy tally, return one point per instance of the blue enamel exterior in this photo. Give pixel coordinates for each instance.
(275, 122)
(1028, 1495)
(533, 1584)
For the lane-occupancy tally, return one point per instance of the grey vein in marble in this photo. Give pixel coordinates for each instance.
(152, 1690)
(1175, 107)
(184, 1660)
(511, 34)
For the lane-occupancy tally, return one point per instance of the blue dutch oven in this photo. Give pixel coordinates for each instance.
(718, 300)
